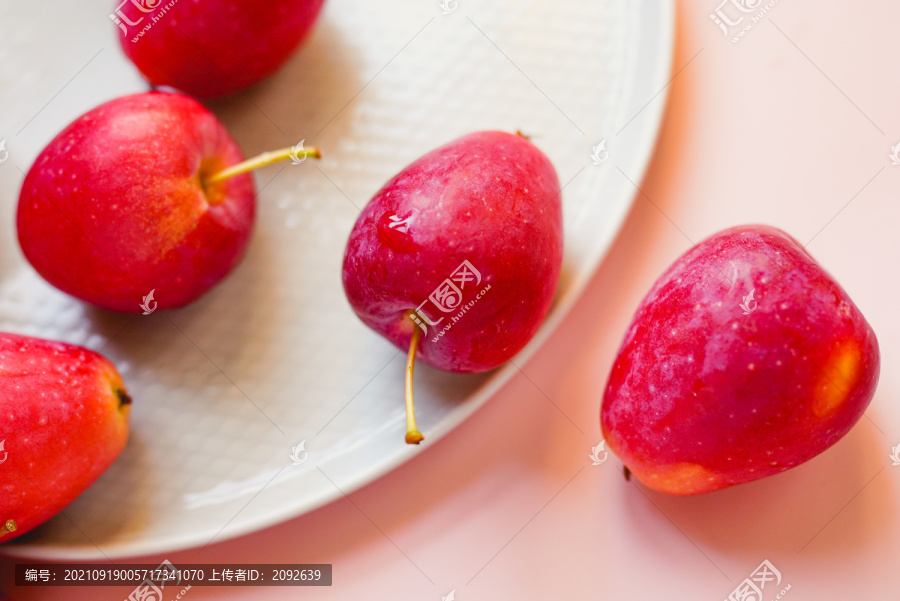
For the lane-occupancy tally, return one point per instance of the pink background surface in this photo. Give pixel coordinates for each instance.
(792, 126)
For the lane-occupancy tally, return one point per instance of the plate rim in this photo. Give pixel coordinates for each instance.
(649, 117)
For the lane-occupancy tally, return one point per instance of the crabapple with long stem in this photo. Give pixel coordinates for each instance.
(457, 258)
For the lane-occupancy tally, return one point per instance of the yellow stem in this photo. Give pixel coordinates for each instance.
(9, 526)
(413, 436)
(266, 158)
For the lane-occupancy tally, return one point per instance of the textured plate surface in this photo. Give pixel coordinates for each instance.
(226, 388)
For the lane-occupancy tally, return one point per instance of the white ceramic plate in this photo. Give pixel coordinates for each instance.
(225, 388)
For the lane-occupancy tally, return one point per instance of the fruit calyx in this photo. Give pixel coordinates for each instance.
(124, 399)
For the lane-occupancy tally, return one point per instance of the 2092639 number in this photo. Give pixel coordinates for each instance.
(297, 575)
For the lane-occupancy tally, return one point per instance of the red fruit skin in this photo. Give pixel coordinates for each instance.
(490, 198)
(63, 419)
(702, 396)
(212, 48)
(113, 207)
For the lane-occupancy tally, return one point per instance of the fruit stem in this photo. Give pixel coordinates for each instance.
(261, 160)
(8, 526)
(413, 436)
